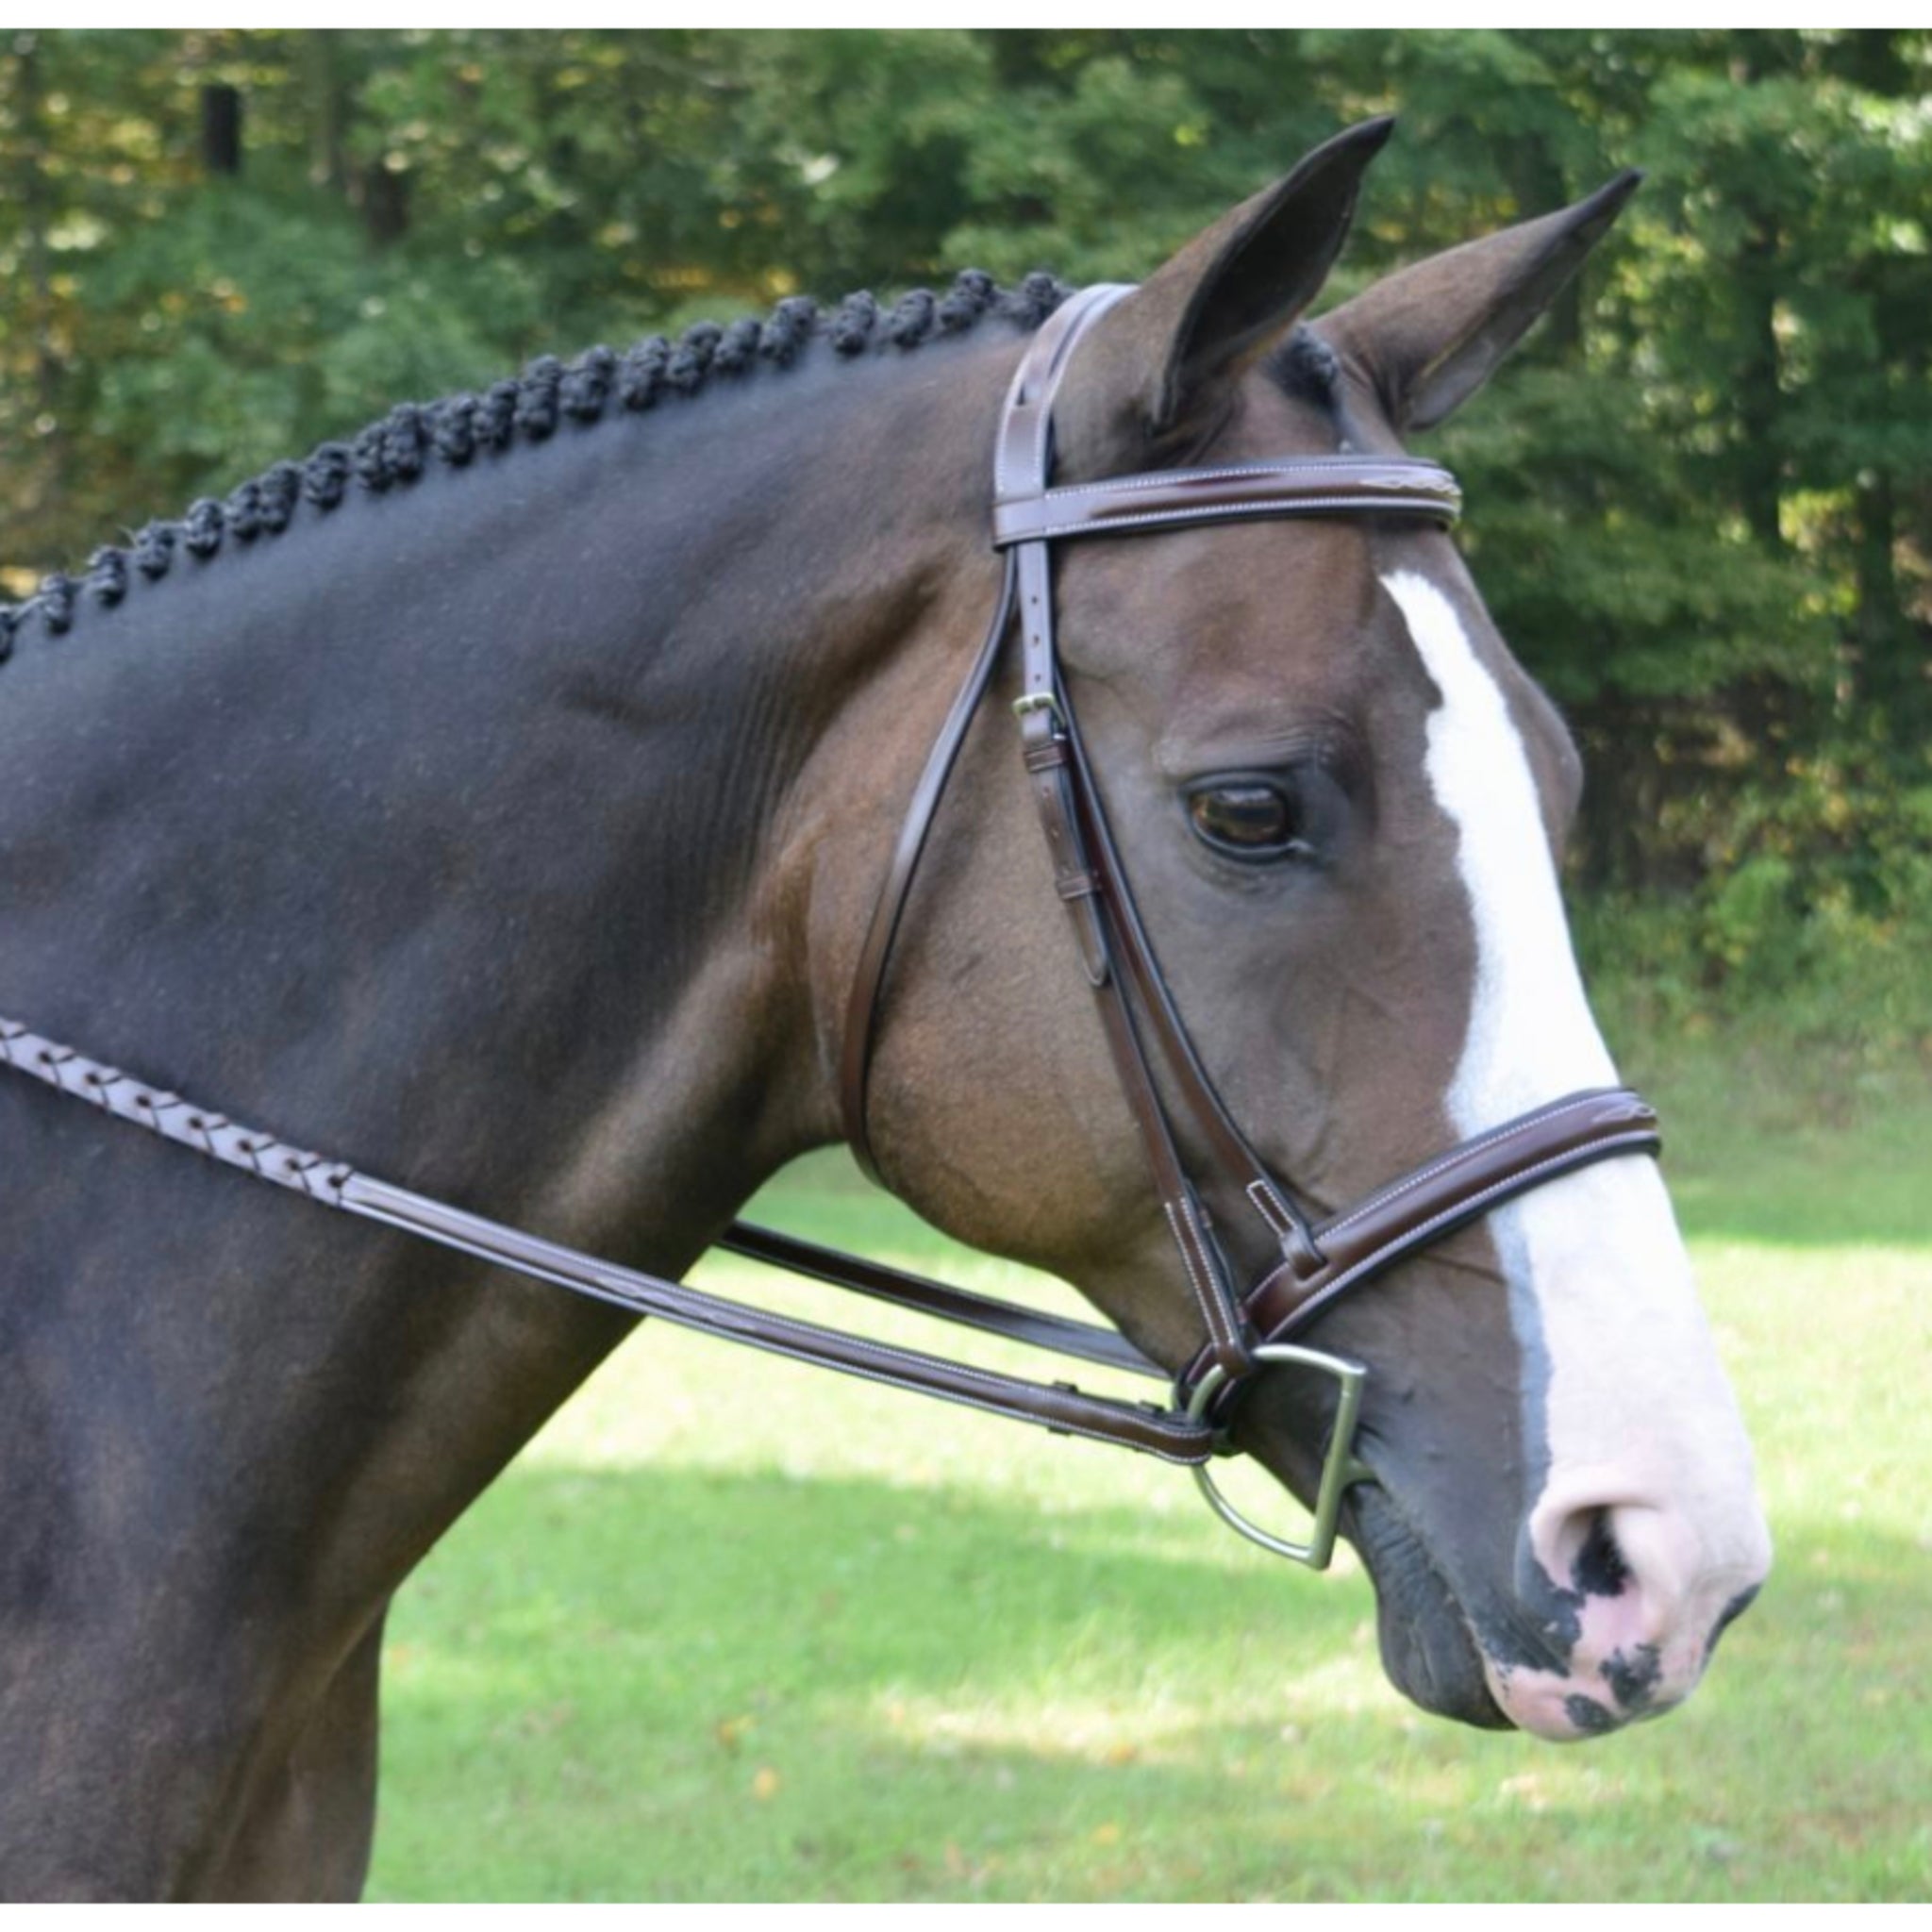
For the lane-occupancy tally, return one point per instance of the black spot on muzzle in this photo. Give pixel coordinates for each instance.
(1589, 1716)
(1600, 1569)
(1633, 1677)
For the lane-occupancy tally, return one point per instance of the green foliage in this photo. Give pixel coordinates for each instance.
(240, 351)
(1701, 500)
(1813, 913)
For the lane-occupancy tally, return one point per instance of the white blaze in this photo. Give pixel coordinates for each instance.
(1635, 1411)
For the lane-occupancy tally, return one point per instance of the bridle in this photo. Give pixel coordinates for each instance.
(1312, 1264)
(1315, 1266)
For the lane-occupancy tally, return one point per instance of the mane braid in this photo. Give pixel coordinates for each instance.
(398, 447)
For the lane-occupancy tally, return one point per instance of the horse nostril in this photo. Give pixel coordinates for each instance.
(1601, 1569)
(1628, 1581)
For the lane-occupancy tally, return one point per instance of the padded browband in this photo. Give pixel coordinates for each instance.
(1293, 487)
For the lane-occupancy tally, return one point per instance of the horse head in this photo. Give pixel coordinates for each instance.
(1341, 806)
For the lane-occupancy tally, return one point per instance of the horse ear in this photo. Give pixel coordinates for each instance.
(1197, 321)
(1429, 336)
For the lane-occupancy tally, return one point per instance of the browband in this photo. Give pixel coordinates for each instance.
(1294, 487)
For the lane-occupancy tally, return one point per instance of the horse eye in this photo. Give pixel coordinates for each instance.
(1248, 818)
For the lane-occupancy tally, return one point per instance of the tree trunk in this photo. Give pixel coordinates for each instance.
(221, 129)
(325, 110)
(385, 204)
(36, 201)
(1760, 399)
(1894, 669)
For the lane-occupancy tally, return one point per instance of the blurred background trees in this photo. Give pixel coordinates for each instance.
(1703, 495)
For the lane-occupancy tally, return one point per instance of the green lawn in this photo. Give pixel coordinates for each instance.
(735, 1629)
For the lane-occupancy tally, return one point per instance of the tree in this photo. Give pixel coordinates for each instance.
(1703, 496)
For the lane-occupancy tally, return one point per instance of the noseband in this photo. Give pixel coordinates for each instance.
(1310, 1264)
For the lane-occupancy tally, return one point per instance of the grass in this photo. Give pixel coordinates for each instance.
(732, 1629)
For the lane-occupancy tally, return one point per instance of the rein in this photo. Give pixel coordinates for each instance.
(1314, 1262)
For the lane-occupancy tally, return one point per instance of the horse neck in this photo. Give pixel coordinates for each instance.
(479, 834)
(493, 837)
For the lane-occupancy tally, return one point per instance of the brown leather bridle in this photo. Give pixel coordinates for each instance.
(1316, 1262)
(1315, 1265)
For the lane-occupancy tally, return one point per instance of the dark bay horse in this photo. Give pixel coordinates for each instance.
(499, 801)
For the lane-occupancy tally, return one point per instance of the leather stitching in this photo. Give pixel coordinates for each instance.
(1222, 513)
(1470, 1206)
(1551, 1110)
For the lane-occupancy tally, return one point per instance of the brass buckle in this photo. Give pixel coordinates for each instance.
(1339, 1470)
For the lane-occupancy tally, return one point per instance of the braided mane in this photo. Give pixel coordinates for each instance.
(398, 447)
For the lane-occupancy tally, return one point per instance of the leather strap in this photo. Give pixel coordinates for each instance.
(867, 981)
(1106, 1347)
(1152, 1429)
(1164, 499)
(1434, 1200)
(1362, 1242)
(1025, 426)
(1238, 1161)
(1067, 808)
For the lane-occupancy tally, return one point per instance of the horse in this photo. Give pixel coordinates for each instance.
(501, 800)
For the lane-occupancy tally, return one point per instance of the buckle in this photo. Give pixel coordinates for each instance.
(1033, 701)
(1339, 1469)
